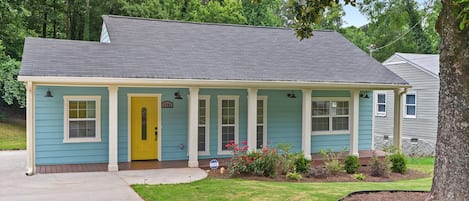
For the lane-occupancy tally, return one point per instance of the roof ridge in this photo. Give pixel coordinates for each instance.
(206, 23)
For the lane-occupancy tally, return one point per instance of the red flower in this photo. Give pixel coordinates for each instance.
(265, 150)
(231, 141)
(245, 142)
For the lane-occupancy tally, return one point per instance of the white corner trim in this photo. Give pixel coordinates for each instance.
(220, 99)
(30, 125)
(97, 119)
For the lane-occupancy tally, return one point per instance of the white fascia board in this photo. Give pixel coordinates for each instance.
(44, 80)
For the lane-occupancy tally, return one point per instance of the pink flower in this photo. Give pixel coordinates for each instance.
(231, 141)
(244, 148)
(265, 150)
(245, 142)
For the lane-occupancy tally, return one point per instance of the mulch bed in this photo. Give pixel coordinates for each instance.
(387, 196)
(340, 177)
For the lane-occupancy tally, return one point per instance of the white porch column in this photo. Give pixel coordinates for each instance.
(355, 122)
(252, 119)
(306, 123)
(30, 162)
(397, 137)
(193, 126)
(112, 166)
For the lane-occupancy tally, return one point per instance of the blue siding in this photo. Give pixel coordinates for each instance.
(214, 93)
(283, 123)
(49, 127)
(338, 142)
(284, 118)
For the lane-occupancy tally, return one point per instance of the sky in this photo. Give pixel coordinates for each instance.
(353, 17)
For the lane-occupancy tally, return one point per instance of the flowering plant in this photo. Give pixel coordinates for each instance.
(252, 162)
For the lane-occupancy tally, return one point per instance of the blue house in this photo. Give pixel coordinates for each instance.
(170, 90)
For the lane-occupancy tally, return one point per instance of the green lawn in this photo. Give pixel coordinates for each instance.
(12, 134)
(240, 189)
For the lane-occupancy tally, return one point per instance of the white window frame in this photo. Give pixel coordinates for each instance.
(377, 104)
(264, 120)
(236, 125)
(332, 99)
(207, 125)
(97, 137)
(405, 105)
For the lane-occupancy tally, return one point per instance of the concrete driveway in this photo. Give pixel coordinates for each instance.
(93, 186)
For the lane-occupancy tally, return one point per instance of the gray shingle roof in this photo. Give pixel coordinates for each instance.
(144, 48)
(428, 62)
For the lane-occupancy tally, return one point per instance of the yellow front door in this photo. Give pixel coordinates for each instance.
(144, 128)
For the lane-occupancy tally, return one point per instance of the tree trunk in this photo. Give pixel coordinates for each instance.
(451, 176)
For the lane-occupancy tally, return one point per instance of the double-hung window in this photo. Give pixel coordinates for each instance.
(380, 104)
(330, 115)
(261, 122)
(204, 128)
(227, 122)
(411, 105)
(82, 122)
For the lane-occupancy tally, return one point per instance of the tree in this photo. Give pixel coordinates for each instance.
(451, 175)
(12, 91)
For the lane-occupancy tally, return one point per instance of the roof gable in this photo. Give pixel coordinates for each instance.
(160, 49)
(428, 63)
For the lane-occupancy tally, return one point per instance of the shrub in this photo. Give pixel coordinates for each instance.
(255, 162)
(379, 168)
(351, 164)
(360, 176)
(331, 160)
(302, 164)
(399, 162)
(318, 172)
(294, 176)
(286, 161)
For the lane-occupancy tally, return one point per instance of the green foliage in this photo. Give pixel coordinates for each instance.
(11, 90)
(399, 162)
(351, 164)
(331, 160)
(379, 168)
(461, 9)
(302, 164)
(264, 13)
(359, 176)
(294, 176)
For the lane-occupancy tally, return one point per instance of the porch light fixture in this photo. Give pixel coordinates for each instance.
(291, 95)
(48, 94)
(177, 95)
(364, 95)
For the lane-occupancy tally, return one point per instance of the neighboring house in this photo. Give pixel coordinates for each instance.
(169, 90)
(420, 104)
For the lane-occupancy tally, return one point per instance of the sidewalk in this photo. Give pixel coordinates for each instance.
(89, 186)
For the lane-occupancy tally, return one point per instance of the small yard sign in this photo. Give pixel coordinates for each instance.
(214, 164)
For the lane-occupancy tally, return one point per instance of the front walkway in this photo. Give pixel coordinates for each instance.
(96, 186)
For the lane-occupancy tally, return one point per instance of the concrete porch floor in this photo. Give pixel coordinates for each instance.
(365, 156)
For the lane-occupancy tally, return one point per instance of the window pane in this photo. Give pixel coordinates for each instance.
(91, 105)
(320, 108)
(342, 108)
(90, 129)
(340, 123)
(73, 113)
(202, 110)
(82, 105)
(90, 113)
(410, 99)
(260, 111)
(144, 123)
(320, 124)
(227, 135)
(81, 113)
(260, 137)
(381, 98)
(201, 139)
(381, 108)
(410, 110)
